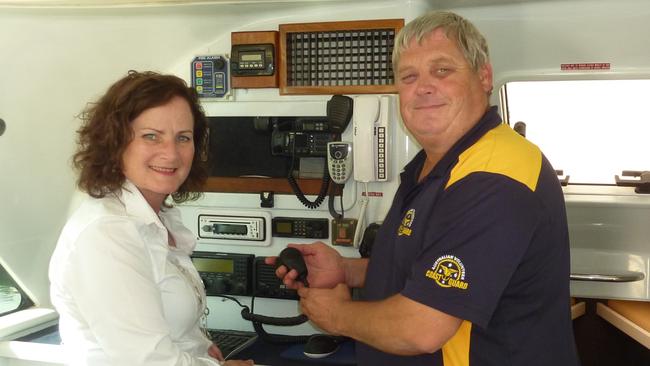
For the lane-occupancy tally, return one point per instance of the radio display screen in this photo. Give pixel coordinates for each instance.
(230, 229)
(214, 265)
(250, 56)
(284, 227)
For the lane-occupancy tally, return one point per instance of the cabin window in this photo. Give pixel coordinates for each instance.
(12, 297)
(592, 130)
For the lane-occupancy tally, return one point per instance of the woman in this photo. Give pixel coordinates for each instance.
(121, 276)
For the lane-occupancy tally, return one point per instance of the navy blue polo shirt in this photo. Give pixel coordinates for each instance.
(484, 238)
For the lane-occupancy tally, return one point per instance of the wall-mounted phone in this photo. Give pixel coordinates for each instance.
(339, 161)
(370, 119)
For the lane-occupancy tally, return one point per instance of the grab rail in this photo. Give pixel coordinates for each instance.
(597, 277)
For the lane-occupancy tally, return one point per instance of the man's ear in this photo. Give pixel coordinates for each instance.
(485, 75)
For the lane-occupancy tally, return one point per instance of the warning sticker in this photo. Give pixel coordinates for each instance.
(585, 66)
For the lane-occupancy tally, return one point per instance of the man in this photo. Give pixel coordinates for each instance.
(471, 265)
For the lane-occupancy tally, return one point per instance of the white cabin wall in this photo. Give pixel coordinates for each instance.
(529, 40)
(53, 62)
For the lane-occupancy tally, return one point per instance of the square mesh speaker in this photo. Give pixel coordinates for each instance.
(338, 57)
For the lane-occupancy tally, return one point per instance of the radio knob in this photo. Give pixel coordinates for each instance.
(219, 63)
(223, 286)
(227, 285)
(240, 289)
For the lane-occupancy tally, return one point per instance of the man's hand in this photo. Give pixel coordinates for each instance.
(323, 305)
(324, 266)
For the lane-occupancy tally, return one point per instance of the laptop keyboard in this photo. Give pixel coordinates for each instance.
(231, 342)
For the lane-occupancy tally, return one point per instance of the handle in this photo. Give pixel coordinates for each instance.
(597, 277)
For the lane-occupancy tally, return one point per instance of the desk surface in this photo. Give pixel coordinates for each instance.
(264, 353)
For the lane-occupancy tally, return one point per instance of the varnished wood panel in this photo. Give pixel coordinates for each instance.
(257, 185)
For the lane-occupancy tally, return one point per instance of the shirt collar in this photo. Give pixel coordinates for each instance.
(136, 205)
(489, 120)
(169, 218)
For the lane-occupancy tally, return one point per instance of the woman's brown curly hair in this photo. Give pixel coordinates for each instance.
(106, 131)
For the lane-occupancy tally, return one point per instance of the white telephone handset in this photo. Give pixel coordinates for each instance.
(370, 120)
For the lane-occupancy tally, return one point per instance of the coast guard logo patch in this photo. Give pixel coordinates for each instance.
(448, 271)
(407, 221)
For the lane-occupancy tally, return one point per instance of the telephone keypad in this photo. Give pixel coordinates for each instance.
(339, 161)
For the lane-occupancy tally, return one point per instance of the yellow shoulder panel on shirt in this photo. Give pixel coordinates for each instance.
(456, 351)
(501, 151)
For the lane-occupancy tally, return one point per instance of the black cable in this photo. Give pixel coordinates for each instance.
(278, 338)
(272, 320)
(330, 202)
(259, 320)
(301, 196)
(248, 314)
(232, 299)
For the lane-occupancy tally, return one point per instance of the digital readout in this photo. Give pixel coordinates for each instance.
(229, 229)
(283, 227)
(214, 265)
(250, 56)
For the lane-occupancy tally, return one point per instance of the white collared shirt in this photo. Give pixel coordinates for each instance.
(125, 297)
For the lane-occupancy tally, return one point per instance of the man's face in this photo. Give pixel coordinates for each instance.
(441, 96)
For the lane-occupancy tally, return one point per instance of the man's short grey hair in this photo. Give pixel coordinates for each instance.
(458, 29)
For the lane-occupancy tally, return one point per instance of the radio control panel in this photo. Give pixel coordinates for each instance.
(225, 273)
(300, 227)
(240, 275)
(246, 228)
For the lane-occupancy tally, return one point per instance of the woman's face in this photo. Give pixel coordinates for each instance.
(159, 157)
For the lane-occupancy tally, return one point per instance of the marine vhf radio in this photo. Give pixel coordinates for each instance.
(308, 137)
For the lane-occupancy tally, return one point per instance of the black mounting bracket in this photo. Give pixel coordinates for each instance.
(642, 184)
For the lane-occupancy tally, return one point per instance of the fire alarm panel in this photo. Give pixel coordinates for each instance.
(211, 76)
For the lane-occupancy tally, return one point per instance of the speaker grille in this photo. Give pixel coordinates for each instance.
(338, 57)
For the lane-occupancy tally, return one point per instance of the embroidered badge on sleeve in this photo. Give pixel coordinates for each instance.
(448, 271)
(407, 222)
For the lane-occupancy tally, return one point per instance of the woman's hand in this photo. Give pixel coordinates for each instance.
(215, 352)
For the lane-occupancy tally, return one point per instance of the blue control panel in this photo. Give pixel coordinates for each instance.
(211, 76)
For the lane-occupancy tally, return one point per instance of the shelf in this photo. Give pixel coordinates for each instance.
(624, 324)
(257, 185)
(578, 310)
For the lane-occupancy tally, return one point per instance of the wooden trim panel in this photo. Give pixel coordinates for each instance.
(257, 185)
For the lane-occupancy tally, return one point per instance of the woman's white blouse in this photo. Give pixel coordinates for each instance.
(124, 296)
